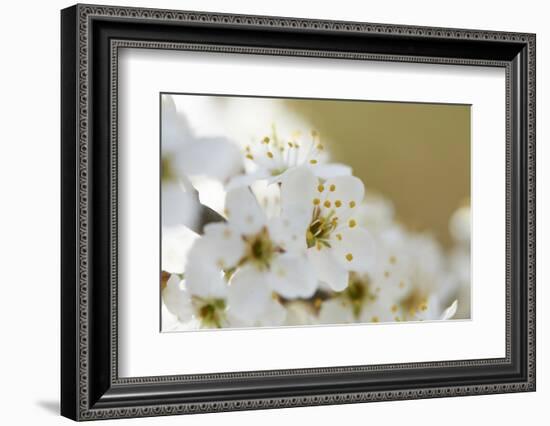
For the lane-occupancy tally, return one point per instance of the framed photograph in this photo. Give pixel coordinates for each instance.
(263, 212)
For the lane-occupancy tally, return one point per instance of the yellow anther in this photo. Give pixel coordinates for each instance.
(290, 144)
(266, 140)
(352, 204)
(393, 260)
(320, 147)
(352, 223)
(339, 237)
(316, 201)
(321, 188)
(327, 204)
(394, 309)
(269, 154)
(338, 203)
(375, 319)
(332, 188)
(349, 257)
(313, 161)
(249, 156)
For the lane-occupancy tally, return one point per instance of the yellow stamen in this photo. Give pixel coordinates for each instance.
(332, 188)
(352, 223)
(394, 309)
(316, 201)
(375, 319)
(321, 188)
(266, 140)
(352, 204)
(249, 156)
(349, 257)
(313, 161)
(327, 204)
(269, 154)
(339, 237)
(393, 260)
(338, 203)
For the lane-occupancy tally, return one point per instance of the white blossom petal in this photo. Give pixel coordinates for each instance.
(288, 234)
(292, 277)
(223, 244)
(244, 212)
(297, 193)
(174, 127)
(347, 189)
(354, 249)
(203, 274)
(247, 179)
(178, 207)
(177, 299)
(217, 158)
(330, 170)
(450, 312)
(328, 269)
(176, 243)
(249, 294)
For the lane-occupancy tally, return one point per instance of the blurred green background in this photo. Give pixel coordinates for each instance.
(416, 155)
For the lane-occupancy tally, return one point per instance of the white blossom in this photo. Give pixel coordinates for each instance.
(327, 208)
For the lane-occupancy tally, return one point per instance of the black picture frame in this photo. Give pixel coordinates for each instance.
(90, 386)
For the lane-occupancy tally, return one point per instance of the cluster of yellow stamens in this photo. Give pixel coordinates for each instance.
(285, 154)
(325, 221)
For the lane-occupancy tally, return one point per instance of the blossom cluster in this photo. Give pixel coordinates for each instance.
(272, 233)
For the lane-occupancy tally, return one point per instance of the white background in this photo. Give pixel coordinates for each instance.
(141, 345)
(29, 225)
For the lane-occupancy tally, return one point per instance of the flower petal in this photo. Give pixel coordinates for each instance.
(450, 312)
(203, 274)
(343, 194)
(288, 235)
(223, 244)
(175, 130)
(247, 179)
(327, 171)
(298, 191)
(354, 249)
(177, 299)
(178, 207)
(176, 243)
(244, 212)
(328, 269)
(249, 294)
(292, 277)
(218, 158)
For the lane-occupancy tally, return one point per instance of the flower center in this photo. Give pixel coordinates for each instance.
(359, 292)
(260, 249)
(415, 303)
(167, 170)
(211, 312)
(320, 228)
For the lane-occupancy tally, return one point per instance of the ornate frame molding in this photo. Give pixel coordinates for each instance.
(78, 24)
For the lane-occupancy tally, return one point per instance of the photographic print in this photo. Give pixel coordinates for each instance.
(299, 212)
